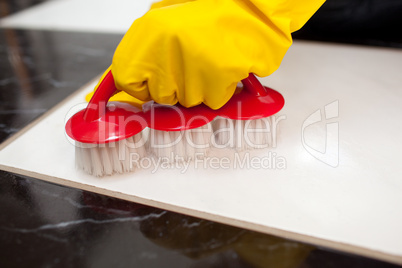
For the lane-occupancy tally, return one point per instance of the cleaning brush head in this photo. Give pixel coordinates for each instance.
(244, 121)
(108, 158)
(178, 133)
(109, 136)
(106, 136)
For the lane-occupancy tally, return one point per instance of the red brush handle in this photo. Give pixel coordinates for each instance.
(97, 105)
(252, 85)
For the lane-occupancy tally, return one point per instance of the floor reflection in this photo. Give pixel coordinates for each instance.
(38, 69)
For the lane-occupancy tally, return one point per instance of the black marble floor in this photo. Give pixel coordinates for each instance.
(8, 7)
(47, 225)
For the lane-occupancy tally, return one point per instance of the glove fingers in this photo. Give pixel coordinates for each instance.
(197, 51)
(177, 54)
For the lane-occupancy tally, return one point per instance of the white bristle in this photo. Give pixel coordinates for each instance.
(140, 145)
(250, 136)
(113, 151)
(179, 147)
(176, 146)
(124, 149)
(160, 144)
(109, 158)
(256, 138)
(86, 159)
(262, 133)
(238, 133)
(168, 150)
(222, 127)
(201, 140)
(97, 167)
(78, 157)
(173, 146)
(242, 134)
(107, 161)
(187, 141)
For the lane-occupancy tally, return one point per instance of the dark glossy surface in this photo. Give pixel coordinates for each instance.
(38, 69)
(364, 22)
(8, 7)
(46, 225)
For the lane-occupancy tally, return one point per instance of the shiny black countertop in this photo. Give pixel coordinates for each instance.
(48, 225)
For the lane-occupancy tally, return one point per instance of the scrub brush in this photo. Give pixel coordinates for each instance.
(244, 122)
(108, 136)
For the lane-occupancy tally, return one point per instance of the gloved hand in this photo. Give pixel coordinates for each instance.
(195, 52)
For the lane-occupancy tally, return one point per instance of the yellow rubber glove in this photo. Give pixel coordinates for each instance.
(196, 52)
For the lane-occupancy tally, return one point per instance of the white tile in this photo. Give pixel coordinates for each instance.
(79, 15)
